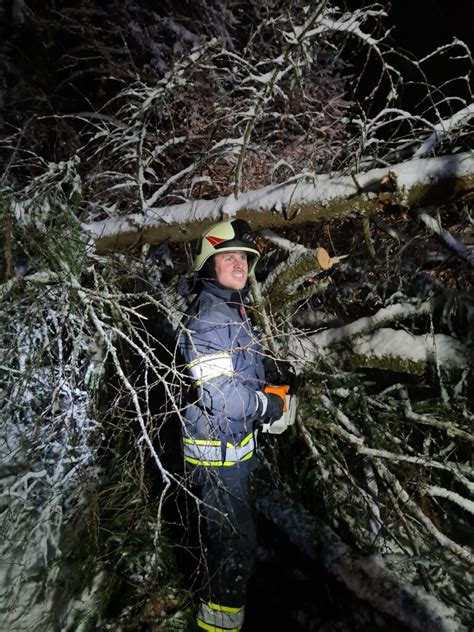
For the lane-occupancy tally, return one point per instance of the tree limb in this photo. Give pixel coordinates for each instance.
(309, 197)
(367, 577)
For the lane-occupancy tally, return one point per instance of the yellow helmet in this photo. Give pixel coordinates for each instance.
(227, 236)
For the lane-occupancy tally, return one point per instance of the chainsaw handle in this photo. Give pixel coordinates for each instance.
(281, 390)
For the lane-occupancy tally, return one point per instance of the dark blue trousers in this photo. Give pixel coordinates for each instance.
(227, 529)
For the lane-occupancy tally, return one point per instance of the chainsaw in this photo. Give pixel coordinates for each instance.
(290, 404)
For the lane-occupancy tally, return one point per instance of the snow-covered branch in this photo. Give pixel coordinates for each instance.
(299, 118)
(369, 578)
(402, 350)
(456, 247)
(443, 128)
(271, 205)
(309, 348)
(419, 519)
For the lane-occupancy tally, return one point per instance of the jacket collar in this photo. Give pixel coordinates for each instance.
(239, 297)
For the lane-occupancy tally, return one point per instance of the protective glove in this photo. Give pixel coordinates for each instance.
(275, 408)
(272, 403)
(285, 416)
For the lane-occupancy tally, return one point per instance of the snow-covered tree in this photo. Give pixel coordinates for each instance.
(134, 128)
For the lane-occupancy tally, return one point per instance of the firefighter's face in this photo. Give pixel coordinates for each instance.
(231, 269)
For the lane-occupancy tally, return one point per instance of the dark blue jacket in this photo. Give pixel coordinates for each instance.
(224, 365)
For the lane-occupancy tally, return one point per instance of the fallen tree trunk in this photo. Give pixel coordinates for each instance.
(418, 182)
(400, 350)
(367, 577)
(367, 342)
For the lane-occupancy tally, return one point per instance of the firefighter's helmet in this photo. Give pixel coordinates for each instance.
(227, 236)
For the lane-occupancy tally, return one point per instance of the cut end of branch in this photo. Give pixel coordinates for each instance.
(324, 260)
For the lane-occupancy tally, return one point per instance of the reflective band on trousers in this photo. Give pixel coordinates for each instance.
(216, 618)
(209, 453)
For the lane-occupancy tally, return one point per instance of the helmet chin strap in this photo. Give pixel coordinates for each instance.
(208, 271)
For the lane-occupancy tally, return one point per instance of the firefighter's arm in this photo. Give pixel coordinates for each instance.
(219, 389)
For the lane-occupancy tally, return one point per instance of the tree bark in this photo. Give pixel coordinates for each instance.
(419, 182)
(367, 577)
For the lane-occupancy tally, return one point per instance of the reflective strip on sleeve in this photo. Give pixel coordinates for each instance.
(209, 453)
(216, 618)
(262, 402)
(206, 367)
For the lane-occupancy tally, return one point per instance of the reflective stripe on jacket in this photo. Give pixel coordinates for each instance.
(223, 359)
(209, 453)
(212, 616)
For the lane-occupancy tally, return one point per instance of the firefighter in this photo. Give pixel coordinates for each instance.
(226, 405)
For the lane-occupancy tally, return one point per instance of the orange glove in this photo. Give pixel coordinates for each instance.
(280, 390)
